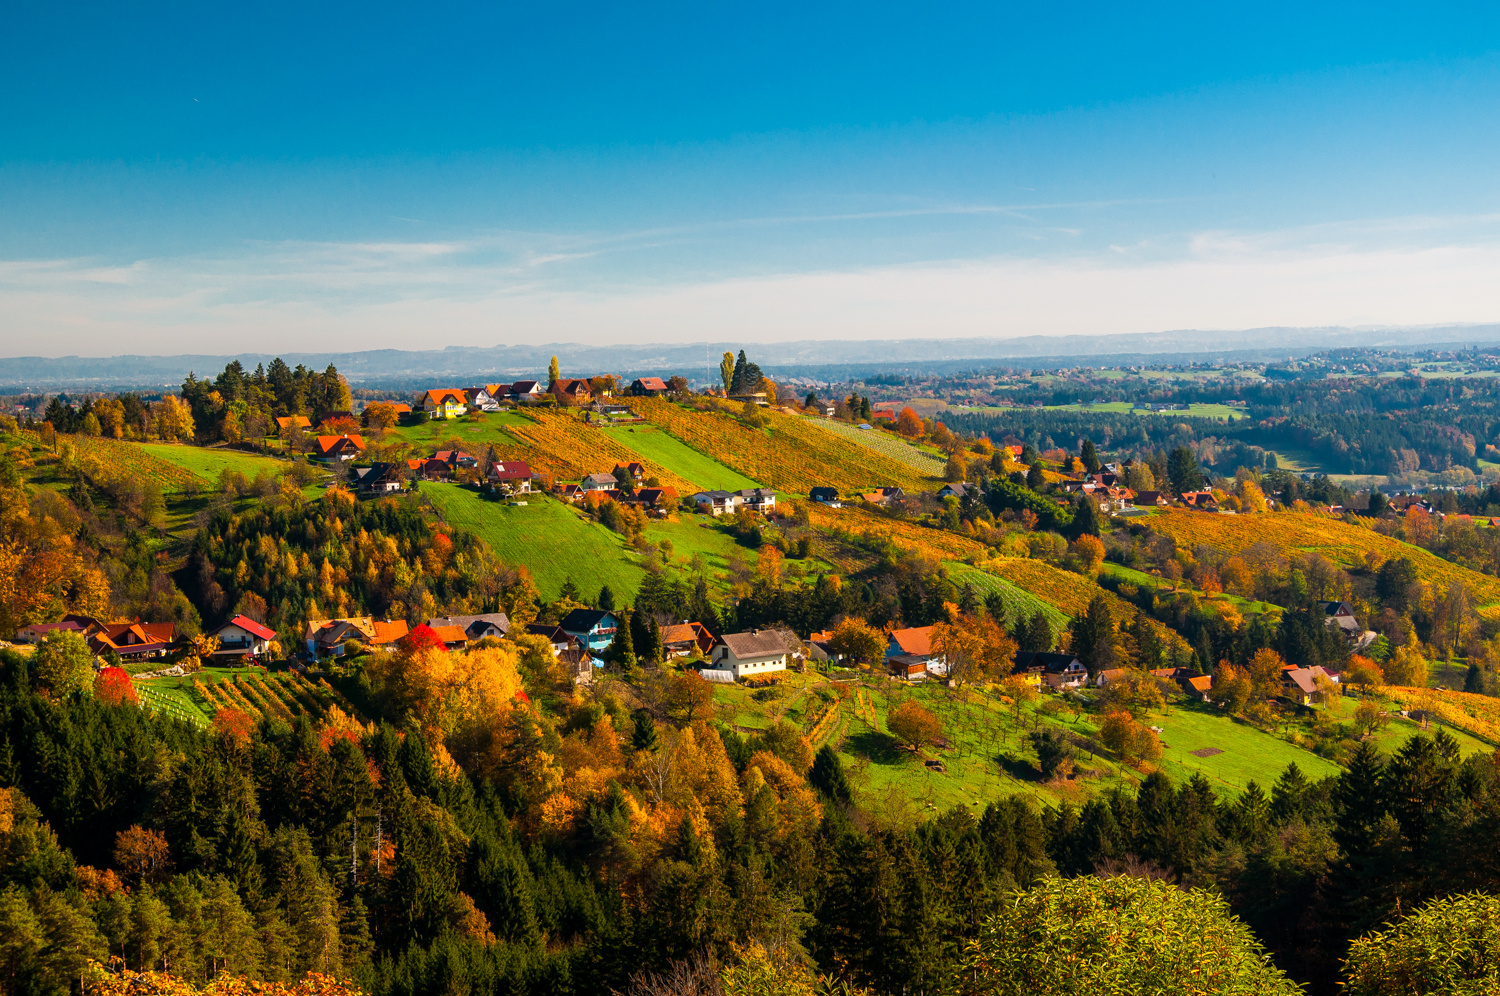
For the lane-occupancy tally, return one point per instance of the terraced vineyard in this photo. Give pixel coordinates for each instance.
(936, 543)
(134, 461)
(281, 697)
(1069, 592)
(883, 442)
(1339, 541)
(559, 443)
(1018, 601)
(791, 455)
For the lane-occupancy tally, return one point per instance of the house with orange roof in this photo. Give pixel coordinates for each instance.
(285, 422)
(453, 637)
(338, 449)
(685, 639)
(908, 648)
(444, 402)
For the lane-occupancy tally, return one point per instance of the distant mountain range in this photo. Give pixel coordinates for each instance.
(826, 359)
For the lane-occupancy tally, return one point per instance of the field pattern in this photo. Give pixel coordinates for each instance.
(1069, 592)
(559, 443)
(547, 537)
(134, 460)
(884, 442)
(208, 461)
(1476, 715)
(1335, 539)
(1018, 601)
(791, 456)
(653, 444)
(940, 544)
(280, 697)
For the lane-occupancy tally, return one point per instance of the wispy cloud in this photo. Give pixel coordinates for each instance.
(515, 287)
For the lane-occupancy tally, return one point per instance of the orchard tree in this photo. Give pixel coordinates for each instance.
(914, 725)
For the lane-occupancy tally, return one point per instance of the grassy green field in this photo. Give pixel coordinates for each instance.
(477, 432)
(1195, 410)
(678, 457)
(551, 539)
(1245, 606)
(209, 462)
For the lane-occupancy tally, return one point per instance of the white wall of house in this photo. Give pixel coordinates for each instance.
(725, 660)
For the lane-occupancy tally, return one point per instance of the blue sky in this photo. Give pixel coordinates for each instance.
(174, 177)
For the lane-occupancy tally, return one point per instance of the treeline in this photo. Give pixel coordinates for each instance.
(278, 850)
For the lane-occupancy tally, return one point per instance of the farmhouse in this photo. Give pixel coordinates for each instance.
(515, 476)
(444, 402)
(958, 490)
(573, 389)
(633, 470)
(1056, 670)
(481, 398)
(338, 449)
(761, 500)
(326, 637)
(598, 482)
(242, 636)
(430, 469)
(526, 390)
(453, 637)
(825, 496)
(593, 628)
(686, 639)
(380, 478)
(717, 502)
(907, 648)
(648, 387)
(457, 458)
(37, 632)
(495, 624)
(131, 639)
(288, 422)
(759, 651)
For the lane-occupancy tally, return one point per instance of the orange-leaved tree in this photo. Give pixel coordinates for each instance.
(112, 687)
(974, 647)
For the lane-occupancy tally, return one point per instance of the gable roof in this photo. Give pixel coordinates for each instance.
(525, 387)
(451, 634)
(600, 479)
(438, 396)
(584, 620)
(389, 632)
(823, 494)
(573, 386)
(1028, 660)
(556, 634)
(650, 383)
(327, 444)
(685, 632)
(756, 643)
(469, 624)
(249, 626)
(916, 640)
(634, 468)
(515, 470)
(287, 421)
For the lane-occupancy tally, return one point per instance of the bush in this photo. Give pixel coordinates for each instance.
(1450, 945)
(1087, 936)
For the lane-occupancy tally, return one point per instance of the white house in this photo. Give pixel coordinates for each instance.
(762, 500)
(720, 502)
(598, 482)
(241, 636)
(759, 651)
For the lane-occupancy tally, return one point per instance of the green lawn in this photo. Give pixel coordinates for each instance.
(678, 457)
(551, 539)
(208, 462)
(1195, 410)
(1245, 606)
(476, 432)
(1248, 753)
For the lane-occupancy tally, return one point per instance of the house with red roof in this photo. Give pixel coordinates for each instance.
(648, 387)
(513, 475)
(241, 637)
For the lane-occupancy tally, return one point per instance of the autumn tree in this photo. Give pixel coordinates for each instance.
(113, 687)
(859, 643)
(64, 664)
(974, 648)
(1449, 945)
(142, 853)
(726, 371)
(913, 725)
